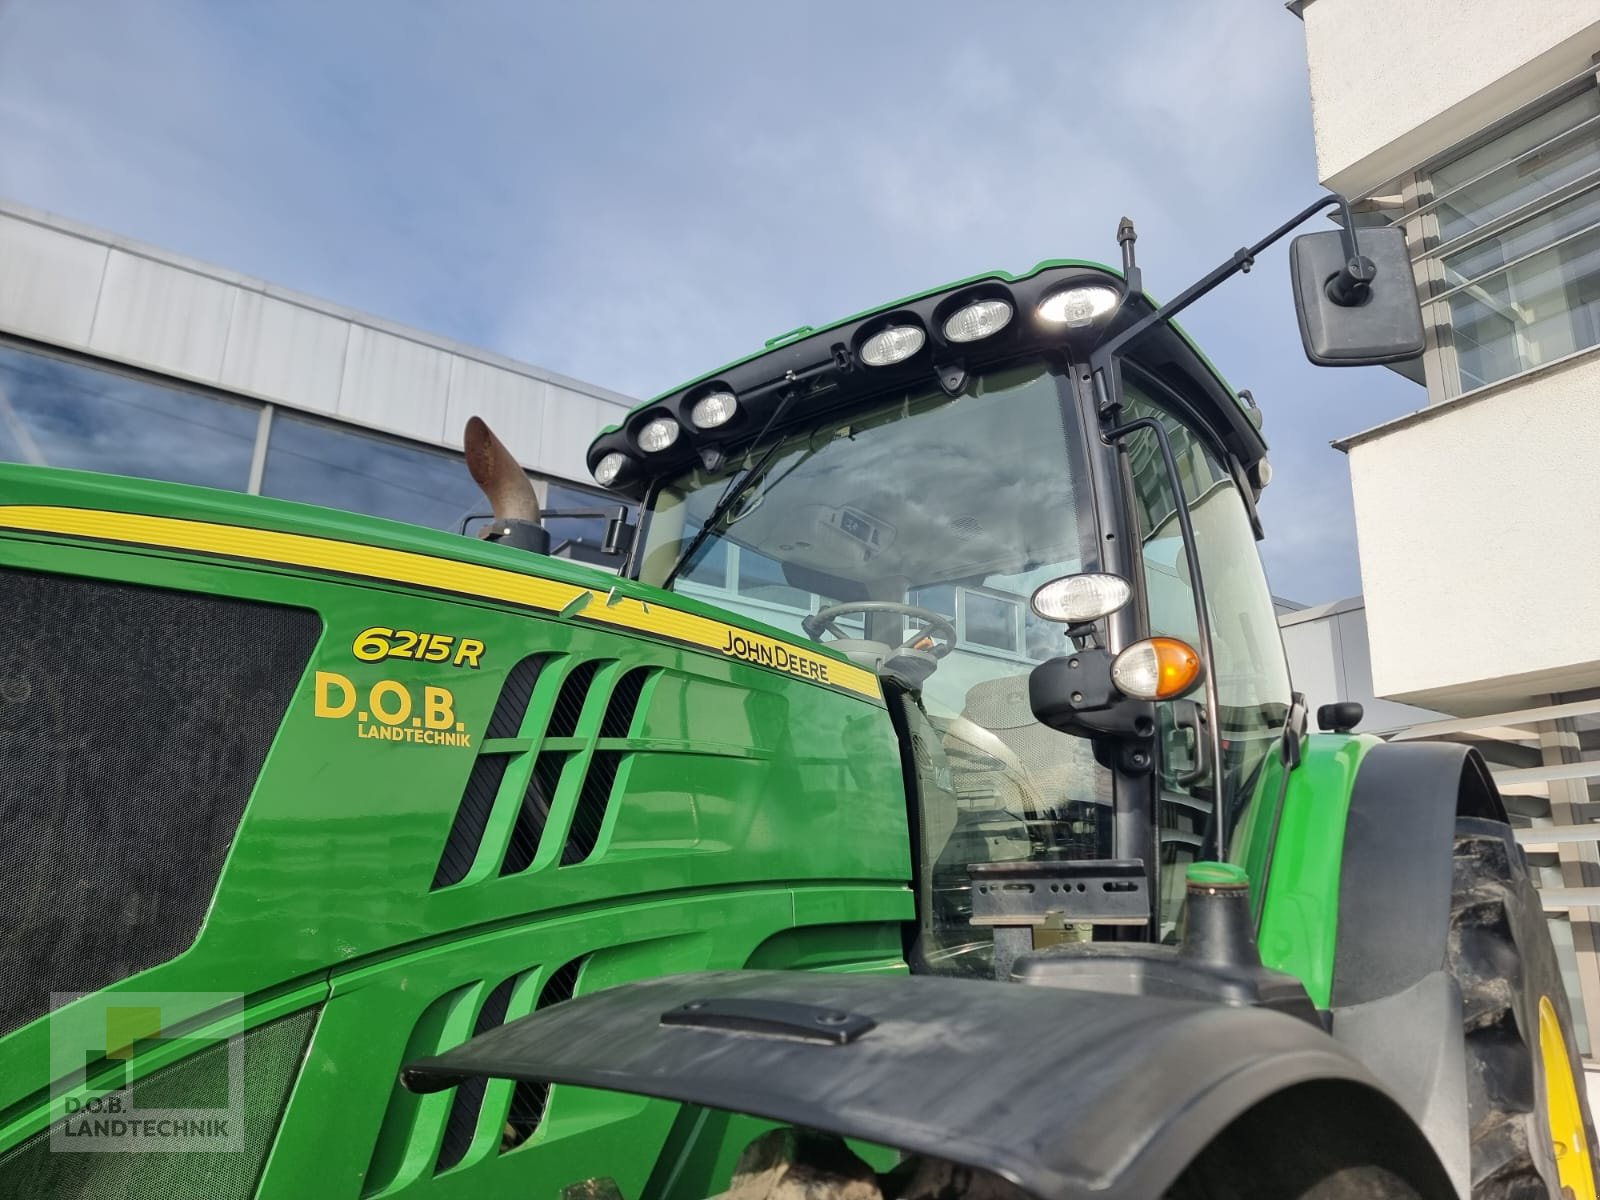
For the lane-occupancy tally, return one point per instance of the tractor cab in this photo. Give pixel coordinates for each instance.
(909, 533)
(1027, 503)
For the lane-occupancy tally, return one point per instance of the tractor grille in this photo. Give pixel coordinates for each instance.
(271, 1056)
(133, 724)
(479, 1120)
(530, 1099)
(462, 1123)
(532, 779)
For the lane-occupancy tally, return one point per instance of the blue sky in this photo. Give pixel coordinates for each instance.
(634, 192)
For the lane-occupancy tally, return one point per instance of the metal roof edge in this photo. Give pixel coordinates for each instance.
(328, 308)
(1317, 612)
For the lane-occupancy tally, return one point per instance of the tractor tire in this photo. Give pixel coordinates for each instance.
(1502, 958)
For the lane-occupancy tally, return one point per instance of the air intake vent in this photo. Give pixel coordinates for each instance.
(472, 817)
(594, 798)
(133, 724)
(512, 706)
(514, 718)
(534, 814)
(569, 703)
(624, 703)
(272, 1055)
(590, 814)
(483, 784)
(417, 1132)
(530, 1100)
(468, 1102)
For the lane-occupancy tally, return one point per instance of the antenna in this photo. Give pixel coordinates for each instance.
(1126, 237)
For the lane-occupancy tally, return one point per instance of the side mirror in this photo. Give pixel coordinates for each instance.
(1339, 717)
(1361, 317)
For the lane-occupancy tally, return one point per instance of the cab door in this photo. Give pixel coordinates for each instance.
(1251, 673)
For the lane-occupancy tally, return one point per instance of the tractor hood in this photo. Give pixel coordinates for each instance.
(279, 534)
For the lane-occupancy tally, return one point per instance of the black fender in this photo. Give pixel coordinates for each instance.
(1394, 881)
(1395, 1006)
(1067, 1094)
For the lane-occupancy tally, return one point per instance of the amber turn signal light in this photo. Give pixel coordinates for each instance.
(1158, 668)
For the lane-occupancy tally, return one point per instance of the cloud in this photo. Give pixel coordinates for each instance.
(634, 193)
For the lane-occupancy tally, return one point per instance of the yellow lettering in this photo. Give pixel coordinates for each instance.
(469, 652)
(438, 708)
(387, 688)
(327, 683)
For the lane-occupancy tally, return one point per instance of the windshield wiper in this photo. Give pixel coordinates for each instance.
(736, 487)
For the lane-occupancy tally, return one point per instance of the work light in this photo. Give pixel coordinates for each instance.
(713, 410)
(892, 345)
(1078, 306)
(609, 467)
(1077, 598)
(658, 434)
(978, 320)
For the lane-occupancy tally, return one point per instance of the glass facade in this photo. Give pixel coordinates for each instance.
(60, 413)
(1510, 237)
(65, 412)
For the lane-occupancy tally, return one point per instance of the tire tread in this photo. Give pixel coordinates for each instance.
(1501, 976)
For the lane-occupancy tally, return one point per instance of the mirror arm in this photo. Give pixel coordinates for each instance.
(1348, 288)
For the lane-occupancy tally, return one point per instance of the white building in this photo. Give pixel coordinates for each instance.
(119, 357)
(1475, 125)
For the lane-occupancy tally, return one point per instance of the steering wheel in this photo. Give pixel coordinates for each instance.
(932, 624)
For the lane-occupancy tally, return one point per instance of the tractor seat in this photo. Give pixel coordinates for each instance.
(998, 749)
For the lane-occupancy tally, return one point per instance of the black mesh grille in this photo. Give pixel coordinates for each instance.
(506, 720)
(463, 1120)
(535, 811)
(529, 1099)
(590, 813)
(624, 703)
(472, 817)
(569, 703)
(133, 724)
(272, 1055)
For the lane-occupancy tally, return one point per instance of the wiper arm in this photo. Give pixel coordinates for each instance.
(736, 487)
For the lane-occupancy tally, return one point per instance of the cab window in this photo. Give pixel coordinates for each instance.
(1252, 676)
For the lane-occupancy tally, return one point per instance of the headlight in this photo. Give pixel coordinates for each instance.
(658, 434)
(609, 467)
(1158, 668)
(978, 320)
(894, 344)
(1077, 307)
(713, 410)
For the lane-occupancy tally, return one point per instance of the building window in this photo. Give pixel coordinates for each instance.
(991, 621)
(340, 467)
(1510, 232)
(588, 531)
(762, 578)
(938, 597)
(57, 412)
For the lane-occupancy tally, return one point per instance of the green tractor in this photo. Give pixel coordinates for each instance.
(356, 860)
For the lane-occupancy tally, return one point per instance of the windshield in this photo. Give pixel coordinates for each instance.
(957, 506)
(957, 509)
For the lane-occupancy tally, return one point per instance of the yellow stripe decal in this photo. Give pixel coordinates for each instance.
(424, 570)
